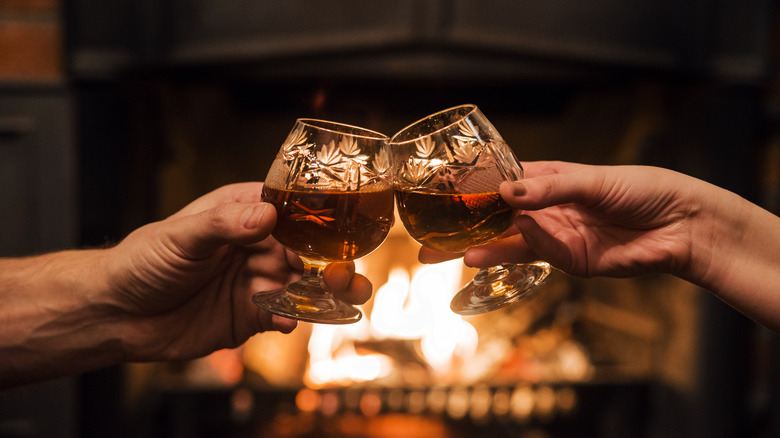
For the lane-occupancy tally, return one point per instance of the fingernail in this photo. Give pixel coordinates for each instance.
(518, 189)
(252, 215)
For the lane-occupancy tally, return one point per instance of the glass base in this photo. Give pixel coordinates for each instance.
(300, 302)
(499, 286)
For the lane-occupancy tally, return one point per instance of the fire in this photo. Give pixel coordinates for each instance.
(445, 335)
(333, 359)
(396, 314)
(407, 307)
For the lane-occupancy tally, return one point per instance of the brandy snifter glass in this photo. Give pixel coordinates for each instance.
(332, 189)
(447, 169)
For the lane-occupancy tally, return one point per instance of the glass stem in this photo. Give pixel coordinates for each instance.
(490, 275)
(312, 277)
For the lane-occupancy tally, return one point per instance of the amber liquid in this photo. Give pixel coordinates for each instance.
(331, 225)
(453, 222)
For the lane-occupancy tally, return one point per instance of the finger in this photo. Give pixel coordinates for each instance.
(262, 321)
(200, 235)
(282, 324)
(337, 276)
(270, 260)
(358, 291)
(430, 256)
(581, 187)
(533, 169)
(269, 263)
(293, 260)
(341, 279)
(557, 250)
(512, 249)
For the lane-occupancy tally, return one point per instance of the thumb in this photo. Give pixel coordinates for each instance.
(200, 235)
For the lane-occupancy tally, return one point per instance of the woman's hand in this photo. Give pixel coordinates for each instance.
(588, 221)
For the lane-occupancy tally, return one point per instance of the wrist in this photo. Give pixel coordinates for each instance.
(103, 317)
(55, 322)
(696, 267)
(717, 238)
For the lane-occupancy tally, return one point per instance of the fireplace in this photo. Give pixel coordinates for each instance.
(207, 96)
(584, 357)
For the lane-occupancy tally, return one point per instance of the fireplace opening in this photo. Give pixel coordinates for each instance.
(583, 357)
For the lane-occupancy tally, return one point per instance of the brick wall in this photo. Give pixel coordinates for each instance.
(30, 41)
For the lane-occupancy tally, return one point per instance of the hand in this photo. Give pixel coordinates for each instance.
(622, 221)
(588, 221)
(184, 285)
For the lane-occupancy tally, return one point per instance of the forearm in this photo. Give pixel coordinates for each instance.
(52, 322)
(736, 255)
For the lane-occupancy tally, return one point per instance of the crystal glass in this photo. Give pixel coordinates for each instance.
(447, 168)
(332, 188)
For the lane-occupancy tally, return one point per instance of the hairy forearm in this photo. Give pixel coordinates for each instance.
(736, 256)
(52, 321)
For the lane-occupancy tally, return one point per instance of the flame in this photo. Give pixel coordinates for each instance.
(333, 358)
(397, 314)
(418, 308)
(446, 335)
(408, 307)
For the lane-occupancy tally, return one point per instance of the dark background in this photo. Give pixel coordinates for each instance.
(150, 103)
